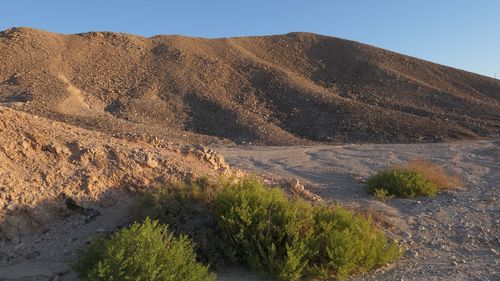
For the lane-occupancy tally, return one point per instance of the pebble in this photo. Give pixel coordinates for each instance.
(100, 230)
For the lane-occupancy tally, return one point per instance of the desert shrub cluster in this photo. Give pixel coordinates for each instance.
(248, 223)
(417, 178)
(292, 238)
(145, 251)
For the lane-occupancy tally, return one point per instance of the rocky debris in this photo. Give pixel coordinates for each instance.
(298, 189)
(207, 154)
(89, 213)
(56, 149)
(146, 159)
(40, 159)
(291, 186)
(151, 162)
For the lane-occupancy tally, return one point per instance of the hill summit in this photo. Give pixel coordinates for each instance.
(297, 88)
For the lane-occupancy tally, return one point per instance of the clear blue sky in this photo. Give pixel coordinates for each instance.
(459, 33)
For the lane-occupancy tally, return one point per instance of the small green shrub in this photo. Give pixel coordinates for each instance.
(186, 208)
(144, 252)
(349, 243)
(265, 231)
(382, 194)
(432, 173)
(401, 183)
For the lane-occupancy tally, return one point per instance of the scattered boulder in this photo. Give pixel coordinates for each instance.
(56, 149)
(72, 205)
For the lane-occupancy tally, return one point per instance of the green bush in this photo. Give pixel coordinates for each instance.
(382, 194)
(247, 223)
(292, 239)
(144, 252)
(401, 183)
(349, 243)
(265, 231)
(186, 208)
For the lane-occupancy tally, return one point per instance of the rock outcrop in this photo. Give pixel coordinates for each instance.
(41, 159)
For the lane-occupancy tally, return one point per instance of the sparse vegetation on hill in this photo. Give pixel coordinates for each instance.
(413, 179)
(262, 228)
(146, 251)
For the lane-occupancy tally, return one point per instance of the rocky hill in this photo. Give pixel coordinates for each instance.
(288, 89)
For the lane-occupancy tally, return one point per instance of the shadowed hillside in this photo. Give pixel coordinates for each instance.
(296, 88)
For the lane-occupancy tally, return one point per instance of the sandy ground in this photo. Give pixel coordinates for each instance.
(454, 236)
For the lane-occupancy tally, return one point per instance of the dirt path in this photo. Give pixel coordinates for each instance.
(454, 236)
